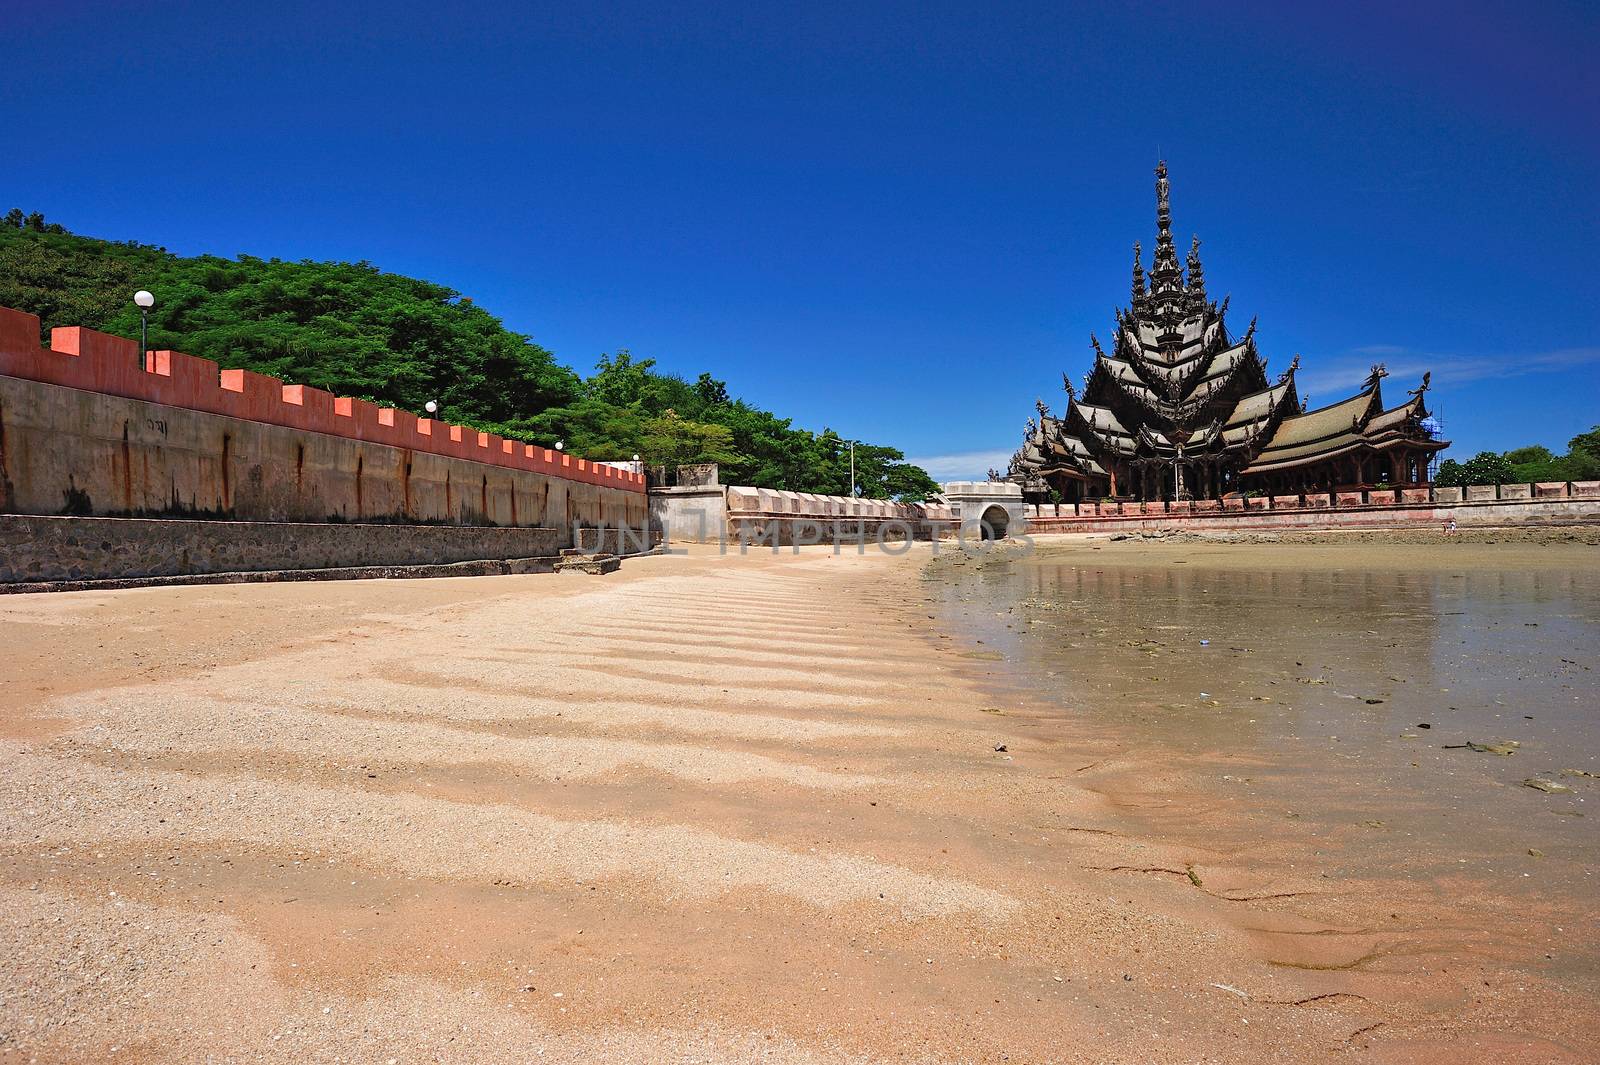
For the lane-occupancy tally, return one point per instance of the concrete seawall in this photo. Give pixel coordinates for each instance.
(738, 514)
(37, 548)
(86, 429)
(112, 366)
(69, 451)
(114, 467)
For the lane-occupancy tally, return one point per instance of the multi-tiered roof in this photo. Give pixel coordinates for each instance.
(1181, 406)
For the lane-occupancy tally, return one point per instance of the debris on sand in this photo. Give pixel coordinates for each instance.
(1541, 784)
(1503, 747)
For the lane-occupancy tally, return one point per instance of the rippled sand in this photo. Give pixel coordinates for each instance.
(707, 809)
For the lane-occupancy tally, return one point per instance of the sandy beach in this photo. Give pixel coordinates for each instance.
(751, 808)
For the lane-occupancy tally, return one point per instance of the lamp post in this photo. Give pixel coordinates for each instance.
(637, 466)
(560, 444)
(144, 301)
(853, 492)
(431, 407)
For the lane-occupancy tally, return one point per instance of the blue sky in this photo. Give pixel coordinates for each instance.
(899, 221)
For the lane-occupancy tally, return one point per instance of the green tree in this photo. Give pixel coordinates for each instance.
(355, 330)
(671, 440)
(1486, 467)
(711, 392)
(1533, 453)
(1583, 454)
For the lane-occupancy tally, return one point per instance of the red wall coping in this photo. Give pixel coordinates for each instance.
(98, 362)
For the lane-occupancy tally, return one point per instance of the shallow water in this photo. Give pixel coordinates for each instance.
(1331, 686)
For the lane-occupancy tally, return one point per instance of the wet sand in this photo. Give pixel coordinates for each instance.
(752, 809)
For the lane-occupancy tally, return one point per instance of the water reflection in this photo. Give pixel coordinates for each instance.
(1338, 681)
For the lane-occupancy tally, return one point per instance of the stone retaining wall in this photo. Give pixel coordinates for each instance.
(769, 516)
(41, 548)
(89, 426)
(71, 451)
(739, 514)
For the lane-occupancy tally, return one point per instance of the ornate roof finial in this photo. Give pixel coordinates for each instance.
(1294, 365)
(1427, 379)
(1096, 342)
(1249, 334)
(1164, 273)
(1044, 411)
(1163, 201)
(1072, 392)
(1197, 281)
(1138, 273)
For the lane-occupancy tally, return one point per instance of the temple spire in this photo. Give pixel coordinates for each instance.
(1164, 273)
(1138, 273)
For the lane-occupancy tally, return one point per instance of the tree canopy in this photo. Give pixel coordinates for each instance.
(355, 330)
(1526, 465)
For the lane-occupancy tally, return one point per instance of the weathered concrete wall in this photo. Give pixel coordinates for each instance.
(619, 542)
(712, 514)
(987, 509)
(37, 548)
(108, 365)
(90, 425)
(737, 514)
(67, 450)
(765, 515)
(694, 514)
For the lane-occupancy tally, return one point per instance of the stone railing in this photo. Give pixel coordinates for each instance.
(1557, 501)
(1343, 499)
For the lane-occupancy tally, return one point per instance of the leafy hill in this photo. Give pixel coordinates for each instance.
(355, 330)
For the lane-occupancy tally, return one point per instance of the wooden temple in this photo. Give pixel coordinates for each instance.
(1183, 409)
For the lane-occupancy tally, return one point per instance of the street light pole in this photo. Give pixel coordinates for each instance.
(144, 300)
(853, 492)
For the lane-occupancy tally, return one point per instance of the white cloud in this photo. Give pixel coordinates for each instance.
(1341, 375)
(963, 465)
